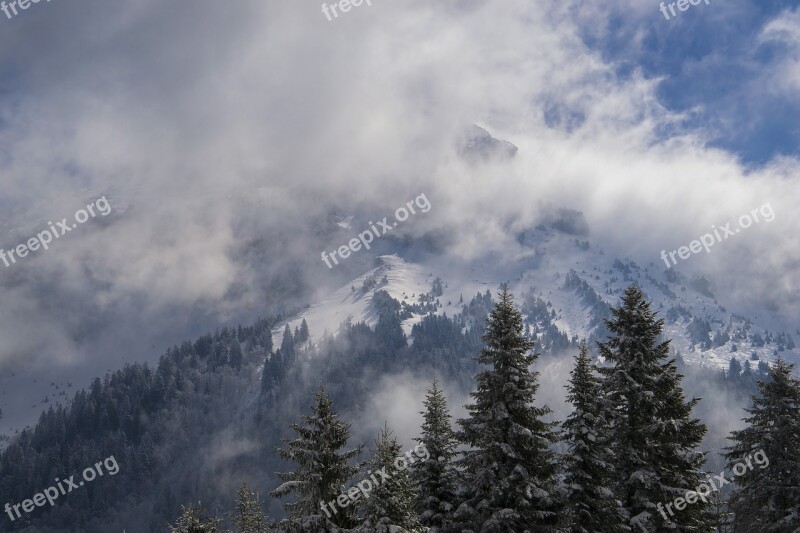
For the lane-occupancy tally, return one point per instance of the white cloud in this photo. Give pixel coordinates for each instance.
(226, 134)
(784, 30)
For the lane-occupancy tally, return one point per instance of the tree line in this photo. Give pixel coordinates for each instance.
(630, 445)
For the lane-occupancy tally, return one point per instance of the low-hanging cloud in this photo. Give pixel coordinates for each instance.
(226, 136)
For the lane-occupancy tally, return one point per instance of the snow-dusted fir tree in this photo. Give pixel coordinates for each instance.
(248, 516)
(653, 433)
(768, 498)
(592, 506)
(390, 506)
(436, 478)
(322, 470)
(193, 520)
(304, 334)
(509, 469)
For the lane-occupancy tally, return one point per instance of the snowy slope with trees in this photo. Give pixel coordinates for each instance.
(567, 284)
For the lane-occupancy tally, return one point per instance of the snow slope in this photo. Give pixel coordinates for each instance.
(543, 264)
(405, 280)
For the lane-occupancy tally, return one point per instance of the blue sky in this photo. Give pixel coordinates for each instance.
(715, 60)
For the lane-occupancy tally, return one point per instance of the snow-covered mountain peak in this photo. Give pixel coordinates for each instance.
(565, 286)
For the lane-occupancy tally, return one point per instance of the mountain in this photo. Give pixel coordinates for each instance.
(568, 284)
(213, 410)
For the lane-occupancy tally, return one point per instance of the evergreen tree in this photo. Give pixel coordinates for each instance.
(220, 354)
(509, 468)
(768, 499)
(391, 503)
(287, 342)
(265, 340)
(435, 478)
(722, 517)
(652, 429)
(268, 379)
(235, 357)
(248, 516)
(277, 365)
(193, 521)
(389, 333)
(747, 372)
(303, 331)
(591, 506)
(734, 369)
(322, 469)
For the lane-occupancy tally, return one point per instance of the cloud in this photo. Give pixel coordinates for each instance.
(226, 137)
(398, 402)
(784, 32)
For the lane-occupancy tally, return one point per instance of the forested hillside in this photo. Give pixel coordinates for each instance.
(213, 412)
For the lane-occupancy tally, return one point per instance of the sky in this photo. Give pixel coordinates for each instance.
(731, 66)
(229, 137)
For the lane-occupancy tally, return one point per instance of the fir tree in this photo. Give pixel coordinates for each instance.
(277, 365)
(192, 520)
(509, 469)
(591, 506)
(303, 332)
(747, 372)
(248, 516)
(768, 499)
(235, 358)
(652, 429)
(391, 503)
(734, 369)
(268, 380)
(435, 478)
(322, 470)
(287, 342)
(722, 517)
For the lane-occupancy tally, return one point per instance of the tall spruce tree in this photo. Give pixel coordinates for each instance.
(436, 478)
(768, 499)
(287, 342)
(322, 470)
(304, 334)
(248, 516)
(591, 505)
(193, 520)
(652, 429)
(390, 506)
(509, 468)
